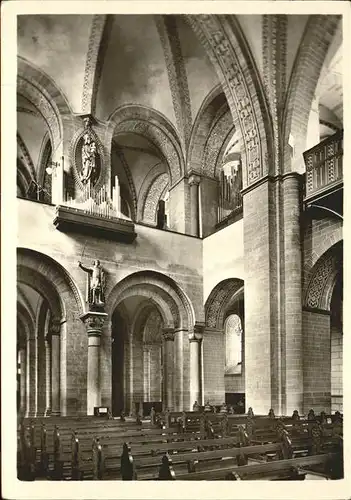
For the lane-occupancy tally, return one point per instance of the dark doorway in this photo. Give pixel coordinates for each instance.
(118, 335)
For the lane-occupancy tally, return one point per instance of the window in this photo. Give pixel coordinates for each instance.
(233, 344)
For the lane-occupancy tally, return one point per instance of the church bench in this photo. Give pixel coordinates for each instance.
(72, 454)
(146, 467)
(284, 465)
(44, 442)
(59, 438)
(110, 456)
(266, 470)
(82, 447)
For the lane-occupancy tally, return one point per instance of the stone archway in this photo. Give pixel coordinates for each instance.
(319, 332)
(43, 93)
(225, 44)
(219, 305)
(155, 127)
(59, 341)
(141, 294)
(314, 46)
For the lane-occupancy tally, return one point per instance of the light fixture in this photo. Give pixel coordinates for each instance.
(54, 164)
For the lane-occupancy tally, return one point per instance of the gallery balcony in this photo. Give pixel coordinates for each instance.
(324, 176)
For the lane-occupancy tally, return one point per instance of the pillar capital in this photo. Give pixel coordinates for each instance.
(94, 321)
(168, 334)
(194, 179)
(196, 334)
(55, 327)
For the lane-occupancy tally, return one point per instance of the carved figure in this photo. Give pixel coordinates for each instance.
(96, 283)
(88, 158)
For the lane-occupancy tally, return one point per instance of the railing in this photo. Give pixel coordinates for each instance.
(324, 165)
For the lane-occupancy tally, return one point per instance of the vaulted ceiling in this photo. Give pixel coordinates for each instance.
(155, 61)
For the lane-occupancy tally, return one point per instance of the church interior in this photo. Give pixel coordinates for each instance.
(180, 243)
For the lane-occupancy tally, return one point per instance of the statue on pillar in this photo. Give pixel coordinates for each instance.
(95, 284)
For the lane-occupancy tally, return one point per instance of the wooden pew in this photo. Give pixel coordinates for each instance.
(73, 453)
(111, 455)
(287, 467)
(146, 467)
(267, 470)
(52, 440)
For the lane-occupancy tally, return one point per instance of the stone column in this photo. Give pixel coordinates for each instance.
(195, 339)
(178, 379)
(168, 367)
(273, 333)
(147, 368)
(293, 294)
(48, 373)
(194, 181)
(41, 373)
(31, 372)
(23, 376)
(54, 332)
(93, 322)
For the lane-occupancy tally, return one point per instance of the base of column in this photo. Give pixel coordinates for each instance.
(47, 412)
(55, 413)
(31, 414)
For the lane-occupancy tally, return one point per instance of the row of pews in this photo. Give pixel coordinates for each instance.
(193, 445)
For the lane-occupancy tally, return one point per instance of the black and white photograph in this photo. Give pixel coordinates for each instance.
(177, 233)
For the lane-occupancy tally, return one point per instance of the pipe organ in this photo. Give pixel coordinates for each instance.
(230, 186)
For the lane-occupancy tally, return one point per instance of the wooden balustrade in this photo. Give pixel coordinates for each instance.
(324, 165)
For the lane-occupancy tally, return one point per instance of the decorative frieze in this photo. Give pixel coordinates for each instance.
(211, 32)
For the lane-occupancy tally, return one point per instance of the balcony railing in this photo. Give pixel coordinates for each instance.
(324, 166)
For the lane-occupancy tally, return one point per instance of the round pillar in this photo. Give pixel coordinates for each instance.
(94, 322)
(48, 373)
(178, 379)
(168, 366)
(55, 330)
(293, 295)
(195, 339)
(23, 376)
(194, 181)
(31, 384)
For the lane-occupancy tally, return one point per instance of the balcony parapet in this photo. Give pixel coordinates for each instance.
(68, 219)
(324, 169)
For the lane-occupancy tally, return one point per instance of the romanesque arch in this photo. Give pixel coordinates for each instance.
(225, 44)
(309, 61)
(44, 94)
(174, 306)
(211, 133)
(319, 282)
(49, 277)
(220, 300)
(154, 126)
(146, 201)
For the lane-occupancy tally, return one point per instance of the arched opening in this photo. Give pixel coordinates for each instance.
(119, 337)
(151, 317)
(38, 353)
(233, 344)
(225, 325)
(48, 310)
(323, 332)
(137, 357)
(230, 182)
(34, 153)
(336, 344)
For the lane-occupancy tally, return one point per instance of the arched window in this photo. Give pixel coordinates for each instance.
(233, 344)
